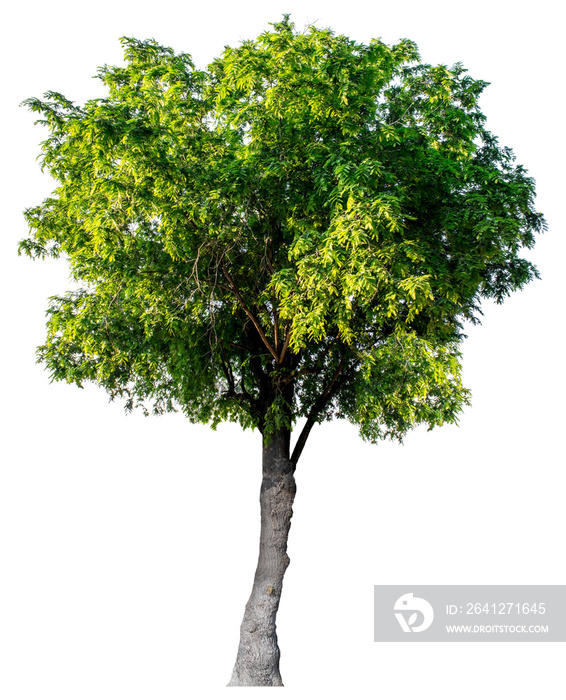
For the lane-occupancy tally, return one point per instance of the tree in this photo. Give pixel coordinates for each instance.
(297, 233)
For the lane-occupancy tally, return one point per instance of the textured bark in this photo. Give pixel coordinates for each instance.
(257, 662)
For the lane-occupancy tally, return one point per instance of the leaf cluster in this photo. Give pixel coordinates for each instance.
(299, 231)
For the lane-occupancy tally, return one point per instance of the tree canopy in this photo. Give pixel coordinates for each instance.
(298, 231)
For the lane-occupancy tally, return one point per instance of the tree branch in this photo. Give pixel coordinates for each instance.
(317, 407)
(276, 326)
(285, 343)
(249, 314)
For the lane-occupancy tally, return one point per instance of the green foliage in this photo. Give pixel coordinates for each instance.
(298, 231)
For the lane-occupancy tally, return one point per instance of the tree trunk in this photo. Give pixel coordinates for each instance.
(257, 662)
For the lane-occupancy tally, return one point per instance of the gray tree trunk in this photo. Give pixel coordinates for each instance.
(257, 662)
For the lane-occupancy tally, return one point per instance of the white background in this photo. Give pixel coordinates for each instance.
(128, 545)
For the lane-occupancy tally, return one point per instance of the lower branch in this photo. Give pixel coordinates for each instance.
(319, 405)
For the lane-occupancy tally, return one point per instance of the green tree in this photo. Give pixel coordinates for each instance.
(297, 233)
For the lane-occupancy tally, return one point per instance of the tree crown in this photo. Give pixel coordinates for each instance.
(299, 231)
